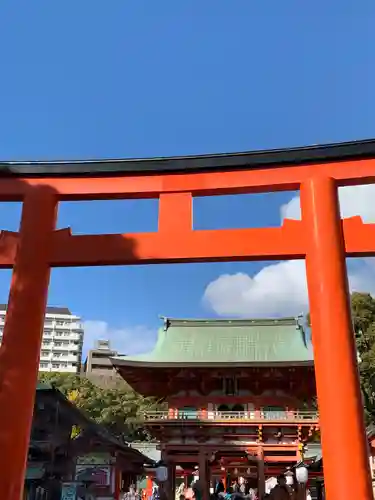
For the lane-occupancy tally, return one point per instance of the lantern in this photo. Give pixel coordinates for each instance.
(289, 477)
(302, 474)
(162, 474)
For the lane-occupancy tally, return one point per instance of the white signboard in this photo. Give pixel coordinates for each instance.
(69, 491)
(95, 459)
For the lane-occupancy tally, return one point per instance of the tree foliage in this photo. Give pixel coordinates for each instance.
(363, 315)
(115, 405)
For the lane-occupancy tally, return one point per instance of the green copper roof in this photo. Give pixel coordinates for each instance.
(208, 342)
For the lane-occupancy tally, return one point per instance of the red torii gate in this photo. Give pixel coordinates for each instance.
(320, 237)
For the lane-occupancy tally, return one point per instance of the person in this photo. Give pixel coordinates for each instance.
(155, 494)
(220, 488)
(189, 494)
(281, 491)
(192, 493)
(242, 488)
(235, 487)
(132, 494)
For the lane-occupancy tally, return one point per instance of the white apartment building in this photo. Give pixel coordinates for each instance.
(62, 340)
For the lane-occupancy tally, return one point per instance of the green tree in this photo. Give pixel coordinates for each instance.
(363, 316)
(116, 406)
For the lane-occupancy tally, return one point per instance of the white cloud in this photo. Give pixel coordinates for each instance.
(277, 290)
(280, 289)
(354, 200)
(127, 340)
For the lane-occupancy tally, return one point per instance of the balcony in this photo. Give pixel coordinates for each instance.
(233, 417)
(66, 335)
(66, 325)
(67, 358)
(57, 346)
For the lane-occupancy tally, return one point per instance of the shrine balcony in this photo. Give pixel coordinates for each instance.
(233, 417)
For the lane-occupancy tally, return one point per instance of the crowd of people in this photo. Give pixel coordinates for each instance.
(284, 491)
(238, 490)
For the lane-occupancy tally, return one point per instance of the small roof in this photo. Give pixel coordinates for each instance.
(218, 342)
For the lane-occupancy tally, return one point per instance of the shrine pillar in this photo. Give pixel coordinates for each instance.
(168, 487)
(337, 380)
(23, 329)
(117, 474)
(172, 480)
(261, 474)
(204, 478)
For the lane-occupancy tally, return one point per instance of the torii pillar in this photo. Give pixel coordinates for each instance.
(337, 379)
(23, 330)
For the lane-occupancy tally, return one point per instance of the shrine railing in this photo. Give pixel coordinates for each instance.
(233, 416)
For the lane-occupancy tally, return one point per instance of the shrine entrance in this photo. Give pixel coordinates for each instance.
(321, 238)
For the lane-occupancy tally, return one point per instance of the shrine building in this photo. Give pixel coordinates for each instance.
(240, 397)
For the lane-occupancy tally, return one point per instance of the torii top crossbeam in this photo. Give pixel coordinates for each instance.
(175, 181)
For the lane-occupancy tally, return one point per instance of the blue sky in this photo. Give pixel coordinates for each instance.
(90, 79)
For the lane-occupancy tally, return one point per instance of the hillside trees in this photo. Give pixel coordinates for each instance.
(115, 405)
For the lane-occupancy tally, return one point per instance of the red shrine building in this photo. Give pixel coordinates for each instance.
(240, 397)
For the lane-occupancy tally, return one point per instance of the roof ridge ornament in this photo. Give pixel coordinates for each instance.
(298, 319)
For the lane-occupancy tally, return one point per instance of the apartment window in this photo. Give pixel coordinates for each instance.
(43, 365)
(44, 353)
(99, 355)
(55, 365)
